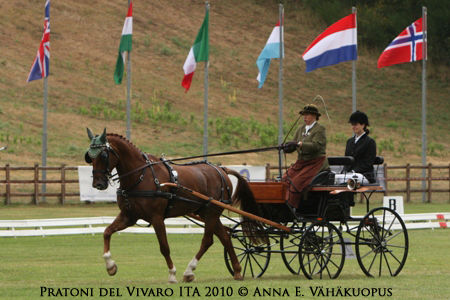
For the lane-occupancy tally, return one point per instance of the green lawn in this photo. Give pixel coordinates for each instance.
(75, 262)
(27, 211)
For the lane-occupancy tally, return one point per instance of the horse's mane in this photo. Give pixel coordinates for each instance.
(119, 136)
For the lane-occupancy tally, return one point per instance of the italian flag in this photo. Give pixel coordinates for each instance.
(125, 45)
(199, 52)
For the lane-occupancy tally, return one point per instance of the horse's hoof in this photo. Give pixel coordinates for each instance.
(188, 278)
(172, 281)
(238, 277)
(112, 271)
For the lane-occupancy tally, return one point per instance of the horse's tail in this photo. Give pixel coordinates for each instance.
(244, 197)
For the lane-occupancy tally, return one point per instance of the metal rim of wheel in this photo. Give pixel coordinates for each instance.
(254, 259)
(322, 251)
(382, 243)
(290, 249)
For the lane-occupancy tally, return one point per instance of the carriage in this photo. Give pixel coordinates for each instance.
(322, 228)
(315, 239)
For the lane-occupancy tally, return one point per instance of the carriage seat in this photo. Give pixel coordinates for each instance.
(326, 177)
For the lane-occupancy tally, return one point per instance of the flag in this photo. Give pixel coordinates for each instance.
(199, 52)
(41, 63)
(406, 47)
(271, 50)
(336, 44)
(125, 45)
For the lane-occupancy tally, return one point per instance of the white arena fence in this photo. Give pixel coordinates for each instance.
(96, 225)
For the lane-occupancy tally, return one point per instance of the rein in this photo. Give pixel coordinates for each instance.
(151, 163)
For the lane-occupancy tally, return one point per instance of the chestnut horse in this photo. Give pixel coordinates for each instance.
(141, 196)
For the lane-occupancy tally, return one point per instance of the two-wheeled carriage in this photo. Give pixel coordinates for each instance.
(322, 229)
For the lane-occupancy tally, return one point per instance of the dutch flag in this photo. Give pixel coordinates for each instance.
(336, 44)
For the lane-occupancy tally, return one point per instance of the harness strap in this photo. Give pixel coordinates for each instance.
(143, 194)
(173, 175)
(228, 188)
(223, 183)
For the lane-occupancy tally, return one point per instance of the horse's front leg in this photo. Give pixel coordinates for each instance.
(121, 222)
(160, 231)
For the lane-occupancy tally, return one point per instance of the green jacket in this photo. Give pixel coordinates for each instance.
(314, 144)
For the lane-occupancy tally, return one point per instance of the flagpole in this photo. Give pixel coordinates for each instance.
(354, 74)
(44, 141)
(128, 132)
(205, 100)
(280, 90)
(424, 100)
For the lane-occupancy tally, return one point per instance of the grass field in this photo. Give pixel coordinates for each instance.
(75, 262)
(27, 211)
(29, 265)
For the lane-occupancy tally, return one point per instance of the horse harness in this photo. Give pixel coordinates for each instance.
(103, 149)
(171, 196)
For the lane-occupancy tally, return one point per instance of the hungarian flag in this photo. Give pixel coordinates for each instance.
(41, 63)
(199, 52)
(125, 45)
(406, 47)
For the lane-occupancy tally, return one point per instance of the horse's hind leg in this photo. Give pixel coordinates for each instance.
(207, 242)
(121, 222)
(225, 239)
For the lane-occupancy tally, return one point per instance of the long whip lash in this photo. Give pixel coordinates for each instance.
(326, 111)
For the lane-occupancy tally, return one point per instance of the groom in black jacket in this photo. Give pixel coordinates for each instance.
(361, 146)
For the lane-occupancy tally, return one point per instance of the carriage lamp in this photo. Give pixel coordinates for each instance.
(353, 183)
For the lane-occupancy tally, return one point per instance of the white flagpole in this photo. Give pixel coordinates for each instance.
(128, 132)
(280, 88)
(354, 71)
(424, 99)
(205, 100)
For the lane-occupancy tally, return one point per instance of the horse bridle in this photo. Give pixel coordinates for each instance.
(105, 150)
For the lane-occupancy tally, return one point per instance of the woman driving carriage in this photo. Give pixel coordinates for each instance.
(310, 141)
(362, 147)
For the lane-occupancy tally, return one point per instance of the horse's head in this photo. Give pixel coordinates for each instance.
(99, 155)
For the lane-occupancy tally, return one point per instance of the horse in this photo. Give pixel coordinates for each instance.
(142, 195)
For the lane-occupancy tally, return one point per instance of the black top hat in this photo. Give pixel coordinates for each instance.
(359, 117)
(310, 109)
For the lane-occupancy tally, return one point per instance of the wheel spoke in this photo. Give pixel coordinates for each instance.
(387, 264)
(395, 257)
(398, 233)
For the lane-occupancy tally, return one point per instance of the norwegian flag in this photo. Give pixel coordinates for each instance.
(41, 63)
(407, 47)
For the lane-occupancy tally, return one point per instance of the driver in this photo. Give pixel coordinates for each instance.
(310, 141)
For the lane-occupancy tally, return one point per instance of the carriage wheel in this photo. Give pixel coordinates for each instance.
(381, 245)
(254, 259)
(290, 247)
(322, 251)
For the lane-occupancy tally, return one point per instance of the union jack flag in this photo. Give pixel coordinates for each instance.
(407, 47)
(41, 63)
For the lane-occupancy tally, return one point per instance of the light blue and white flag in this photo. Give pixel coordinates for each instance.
(271, 50)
